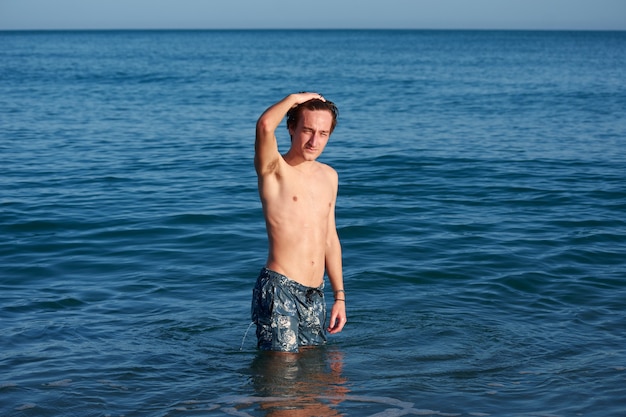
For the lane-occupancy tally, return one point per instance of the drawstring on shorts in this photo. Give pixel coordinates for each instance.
(244, 335)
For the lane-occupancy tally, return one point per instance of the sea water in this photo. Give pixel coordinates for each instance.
(481, 209)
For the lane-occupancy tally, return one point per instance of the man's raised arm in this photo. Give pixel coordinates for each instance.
(266, 147)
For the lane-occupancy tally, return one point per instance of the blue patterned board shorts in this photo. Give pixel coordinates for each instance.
(287, 314)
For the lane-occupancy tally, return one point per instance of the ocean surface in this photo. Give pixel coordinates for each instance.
(481, 209)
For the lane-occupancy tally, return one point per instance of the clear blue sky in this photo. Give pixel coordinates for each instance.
(236, 14)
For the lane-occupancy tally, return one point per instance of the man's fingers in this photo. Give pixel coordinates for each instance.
(336, 324)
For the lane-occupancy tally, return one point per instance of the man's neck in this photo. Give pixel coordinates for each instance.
(300, 164)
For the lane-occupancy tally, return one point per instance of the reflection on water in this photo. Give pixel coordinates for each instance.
(303, 384)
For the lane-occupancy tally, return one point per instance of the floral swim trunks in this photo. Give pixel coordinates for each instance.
(287, 314)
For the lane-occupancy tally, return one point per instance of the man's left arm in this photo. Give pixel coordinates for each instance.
(334, 269)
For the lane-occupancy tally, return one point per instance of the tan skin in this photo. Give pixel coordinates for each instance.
(298, 194)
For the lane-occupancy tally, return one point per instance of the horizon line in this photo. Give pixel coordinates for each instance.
(157, 29)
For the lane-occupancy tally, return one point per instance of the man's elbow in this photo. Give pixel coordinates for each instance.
(264, 127)
(332, 243)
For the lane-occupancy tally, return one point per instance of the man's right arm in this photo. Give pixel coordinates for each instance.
(266, 153)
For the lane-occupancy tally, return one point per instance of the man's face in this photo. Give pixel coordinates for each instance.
(311, 134)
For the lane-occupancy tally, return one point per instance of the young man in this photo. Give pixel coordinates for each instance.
(298, 196)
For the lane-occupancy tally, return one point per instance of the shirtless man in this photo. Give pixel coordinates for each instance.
(298, 196)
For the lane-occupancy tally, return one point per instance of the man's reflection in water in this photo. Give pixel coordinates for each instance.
(310, 382)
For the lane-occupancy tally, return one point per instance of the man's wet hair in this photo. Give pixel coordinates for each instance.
(293, 115)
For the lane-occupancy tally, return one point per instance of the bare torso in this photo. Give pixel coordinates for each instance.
(297, 204)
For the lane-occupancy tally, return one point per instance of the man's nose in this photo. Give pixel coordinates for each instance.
(315, 138)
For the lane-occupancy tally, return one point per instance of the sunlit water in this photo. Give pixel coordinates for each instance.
(482, 212)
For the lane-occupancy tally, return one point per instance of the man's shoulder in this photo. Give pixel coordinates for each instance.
(329, 173)
(325, 167)
(328, 169)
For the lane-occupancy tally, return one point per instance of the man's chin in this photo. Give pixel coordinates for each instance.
(311, 155)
